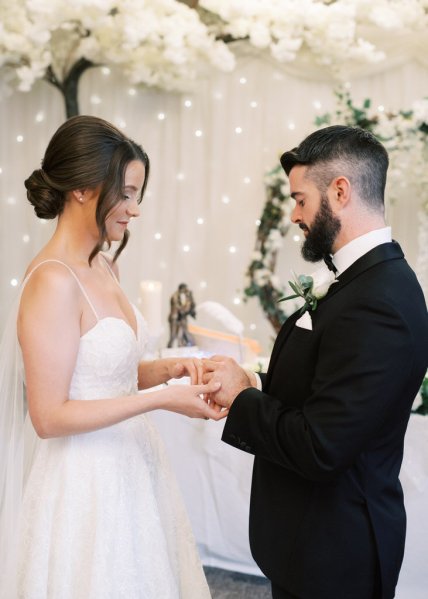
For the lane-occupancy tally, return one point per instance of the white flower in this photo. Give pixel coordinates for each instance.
(262, 276)
(311, 287)
(256, 256)
(275, 281)
(285, 188)
(322, 279)
(274, 240)
(420, 111)
(155, 42)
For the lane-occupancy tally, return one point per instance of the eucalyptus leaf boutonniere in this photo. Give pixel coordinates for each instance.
(311, 287)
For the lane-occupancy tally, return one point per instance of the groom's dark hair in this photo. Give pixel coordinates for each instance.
(351, 152)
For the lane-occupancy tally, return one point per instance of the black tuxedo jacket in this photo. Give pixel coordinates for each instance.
(327, 433)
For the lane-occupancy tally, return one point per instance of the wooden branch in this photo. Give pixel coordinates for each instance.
(69, 87)
(190, 3)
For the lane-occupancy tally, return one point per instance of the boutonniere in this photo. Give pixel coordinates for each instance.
(311, 287)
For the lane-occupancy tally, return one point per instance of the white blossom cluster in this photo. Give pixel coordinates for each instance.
(164, 43)
(160, 43)
(333, 33)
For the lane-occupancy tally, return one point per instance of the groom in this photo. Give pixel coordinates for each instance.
(327, 519)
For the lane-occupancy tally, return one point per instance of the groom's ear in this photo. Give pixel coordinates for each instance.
(340, 193)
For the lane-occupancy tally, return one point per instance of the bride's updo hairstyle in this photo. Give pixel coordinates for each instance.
(84, 153)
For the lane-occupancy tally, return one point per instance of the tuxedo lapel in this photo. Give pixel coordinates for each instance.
(381, 253)
(283, 334)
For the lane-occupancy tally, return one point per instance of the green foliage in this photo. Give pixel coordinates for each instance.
(423, 408)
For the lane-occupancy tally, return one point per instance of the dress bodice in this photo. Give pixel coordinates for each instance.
(108, 357)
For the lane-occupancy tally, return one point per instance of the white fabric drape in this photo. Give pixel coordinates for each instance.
(209, 150)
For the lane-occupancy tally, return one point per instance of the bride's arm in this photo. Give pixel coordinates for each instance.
(49, 334)
(156, 372)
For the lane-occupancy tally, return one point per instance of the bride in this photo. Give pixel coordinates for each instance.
(89, 506)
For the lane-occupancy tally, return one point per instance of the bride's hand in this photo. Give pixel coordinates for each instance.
(191, 367)
(188, 400)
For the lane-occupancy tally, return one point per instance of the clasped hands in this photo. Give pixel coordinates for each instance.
(217, 369)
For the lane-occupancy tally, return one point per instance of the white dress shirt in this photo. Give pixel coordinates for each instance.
(359, 246)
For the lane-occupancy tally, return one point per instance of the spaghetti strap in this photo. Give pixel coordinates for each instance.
(110, 269)
(82, 289)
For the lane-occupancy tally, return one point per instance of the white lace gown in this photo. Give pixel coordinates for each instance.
(102, 516)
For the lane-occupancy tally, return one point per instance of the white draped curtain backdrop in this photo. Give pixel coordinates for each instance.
(209, 150)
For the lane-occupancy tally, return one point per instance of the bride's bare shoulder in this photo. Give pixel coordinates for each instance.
(48, 280)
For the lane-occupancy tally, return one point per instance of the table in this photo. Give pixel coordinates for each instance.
(215, 481)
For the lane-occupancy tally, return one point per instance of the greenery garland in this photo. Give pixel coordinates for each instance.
(404, 134)
(273, 226)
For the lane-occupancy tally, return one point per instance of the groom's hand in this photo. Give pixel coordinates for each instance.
(233, 378)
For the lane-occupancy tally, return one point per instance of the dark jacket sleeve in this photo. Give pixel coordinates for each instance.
(369, 365)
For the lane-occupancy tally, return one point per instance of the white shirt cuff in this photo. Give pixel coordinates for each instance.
(258, 381)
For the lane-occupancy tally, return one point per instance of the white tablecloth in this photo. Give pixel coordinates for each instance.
(215, 481)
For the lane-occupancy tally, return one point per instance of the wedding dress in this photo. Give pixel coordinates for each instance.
(101, 514)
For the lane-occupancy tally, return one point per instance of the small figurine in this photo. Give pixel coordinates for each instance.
(182, 306)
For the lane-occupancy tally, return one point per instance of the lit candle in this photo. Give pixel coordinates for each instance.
(151, 305)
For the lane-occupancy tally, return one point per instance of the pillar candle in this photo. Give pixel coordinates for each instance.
(151, 305)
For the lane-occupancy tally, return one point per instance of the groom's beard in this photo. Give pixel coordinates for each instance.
(321, 234)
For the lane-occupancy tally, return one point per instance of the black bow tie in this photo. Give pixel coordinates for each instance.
(329, 262)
